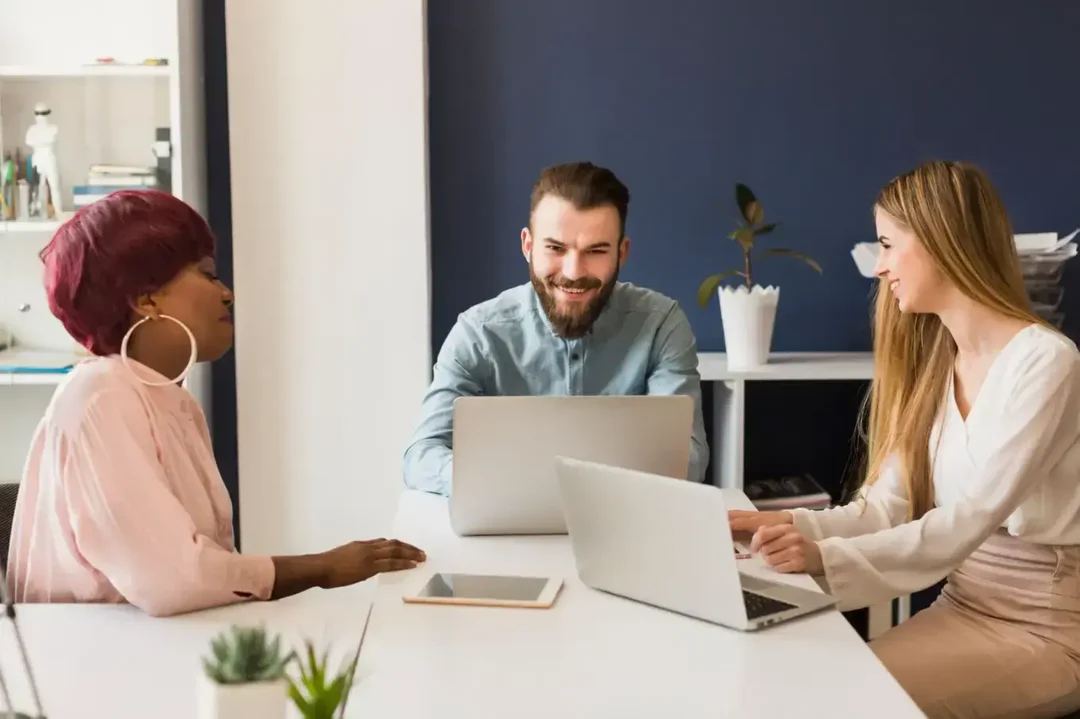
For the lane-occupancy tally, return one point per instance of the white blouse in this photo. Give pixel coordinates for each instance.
(1014, 463)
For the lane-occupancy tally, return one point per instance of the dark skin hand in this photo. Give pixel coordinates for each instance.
(345, 565)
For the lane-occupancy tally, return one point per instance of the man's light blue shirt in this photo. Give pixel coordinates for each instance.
(641, 344)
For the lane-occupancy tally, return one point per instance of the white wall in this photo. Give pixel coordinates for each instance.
(327, 106)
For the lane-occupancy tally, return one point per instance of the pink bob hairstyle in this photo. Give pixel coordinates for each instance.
(128, 244)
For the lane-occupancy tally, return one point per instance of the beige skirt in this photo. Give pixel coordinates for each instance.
(1002, 640)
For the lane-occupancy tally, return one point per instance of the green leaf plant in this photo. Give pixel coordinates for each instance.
(243, 655)
(317, 694)
(750, 225)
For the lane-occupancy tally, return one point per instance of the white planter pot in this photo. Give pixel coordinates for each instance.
(266, 700)
(748, 317)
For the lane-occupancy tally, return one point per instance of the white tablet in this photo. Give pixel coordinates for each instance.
(487, 590)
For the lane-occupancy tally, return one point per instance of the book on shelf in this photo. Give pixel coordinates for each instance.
(801, 490)
(114, 182)
(102, 180)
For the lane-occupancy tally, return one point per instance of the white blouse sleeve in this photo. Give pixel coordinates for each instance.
(881, 505)
(1030, 438)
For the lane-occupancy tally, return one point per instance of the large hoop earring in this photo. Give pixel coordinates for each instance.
(191, 360)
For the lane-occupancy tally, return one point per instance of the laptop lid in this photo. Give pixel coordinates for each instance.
(504, 450)
(649, 538)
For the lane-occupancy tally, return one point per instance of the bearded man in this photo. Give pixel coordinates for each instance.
(573, 329)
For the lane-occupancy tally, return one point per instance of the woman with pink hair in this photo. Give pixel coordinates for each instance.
(121, 499)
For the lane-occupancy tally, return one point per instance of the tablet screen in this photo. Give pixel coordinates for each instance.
(475, 586)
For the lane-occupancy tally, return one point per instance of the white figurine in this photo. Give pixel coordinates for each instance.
(41, 137)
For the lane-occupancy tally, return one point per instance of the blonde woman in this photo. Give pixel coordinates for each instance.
(974, 466)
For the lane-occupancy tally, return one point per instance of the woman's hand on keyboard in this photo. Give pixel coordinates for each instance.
(746, 523)
(785, 550)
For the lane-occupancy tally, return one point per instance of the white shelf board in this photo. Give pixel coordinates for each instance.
(29, 226)
(20, 71)
(792, 366)
(23, 379)
(35, 358)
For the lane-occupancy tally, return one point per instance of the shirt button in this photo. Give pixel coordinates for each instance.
(574, 356)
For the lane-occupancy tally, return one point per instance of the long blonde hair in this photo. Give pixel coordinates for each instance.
(954, 210)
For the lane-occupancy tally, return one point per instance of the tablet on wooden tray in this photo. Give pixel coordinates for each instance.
(486, 590)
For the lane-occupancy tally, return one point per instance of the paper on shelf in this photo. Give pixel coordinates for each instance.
(1042, 242)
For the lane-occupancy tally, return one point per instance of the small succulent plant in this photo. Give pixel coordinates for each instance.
(245, 654)
(751, 225)
(316, 694)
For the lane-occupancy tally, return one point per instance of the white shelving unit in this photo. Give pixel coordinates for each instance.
(27, 379)
(729, 396)
(98, 67)
(29, 227)
(95, 70)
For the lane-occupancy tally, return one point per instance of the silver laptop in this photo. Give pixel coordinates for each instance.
(668, 544)
(504, 450)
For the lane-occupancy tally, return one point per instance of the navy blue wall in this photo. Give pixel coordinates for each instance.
(813, 104)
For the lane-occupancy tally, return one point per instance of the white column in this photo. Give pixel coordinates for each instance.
(327, 115)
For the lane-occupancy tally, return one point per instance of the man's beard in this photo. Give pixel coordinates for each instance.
(574, 324)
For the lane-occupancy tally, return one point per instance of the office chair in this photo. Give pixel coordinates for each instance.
(9, 493)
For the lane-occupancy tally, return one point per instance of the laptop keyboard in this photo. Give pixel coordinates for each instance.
(759, 606)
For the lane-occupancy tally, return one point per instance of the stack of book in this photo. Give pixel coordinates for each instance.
(104, 179)
(770, 495)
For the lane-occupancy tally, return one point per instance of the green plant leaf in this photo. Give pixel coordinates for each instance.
(745, 238)
(766, 229)
(709, 284)
(241, 655)
(319, 693)
(749, 206)
(797, 255)
(298, 699)
(755, 212)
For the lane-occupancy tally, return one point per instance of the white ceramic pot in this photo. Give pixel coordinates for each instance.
(266, 700)
(748, 317)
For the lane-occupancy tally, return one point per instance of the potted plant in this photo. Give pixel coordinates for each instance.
(316, 694)
(748, 311)
(244, 676)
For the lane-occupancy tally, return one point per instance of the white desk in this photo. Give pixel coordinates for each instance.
(114, 662)
(596, 655)
(592, 655)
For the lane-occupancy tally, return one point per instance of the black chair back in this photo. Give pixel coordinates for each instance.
(9, 494)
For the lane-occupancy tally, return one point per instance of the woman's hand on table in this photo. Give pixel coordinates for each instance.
(348, 564)
(357, 561)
